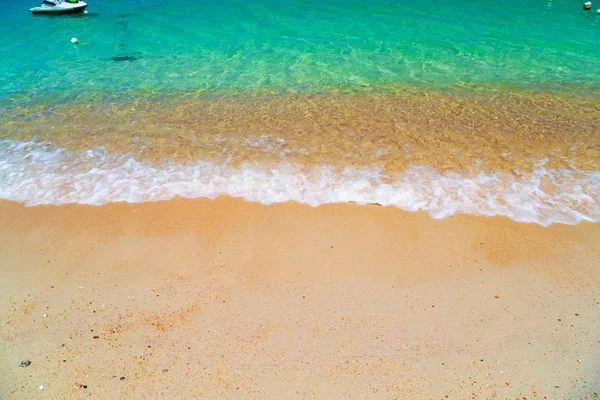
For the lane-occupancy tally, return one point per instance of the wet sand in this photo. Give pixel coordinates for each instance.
(229, 299)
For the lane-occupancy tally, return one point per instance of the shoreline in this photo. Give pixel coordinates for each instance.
(447, 131)
(529, 156)
(225, 298)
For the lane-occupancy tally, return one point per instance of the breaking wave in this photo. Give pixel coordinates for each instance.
(35, 173)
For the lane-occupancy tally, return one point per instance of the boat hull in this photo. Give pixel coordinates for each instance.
(77, 9)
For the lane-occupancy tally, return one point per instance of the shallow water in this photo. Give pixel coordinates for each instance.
(233, 46)
(489, 108)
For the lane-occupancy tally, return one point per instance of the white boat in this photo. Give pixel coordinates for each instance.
(59, 7)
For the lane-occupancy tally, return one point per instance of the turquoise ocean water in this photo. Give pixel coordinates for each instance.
(511, 80)
(294, 46)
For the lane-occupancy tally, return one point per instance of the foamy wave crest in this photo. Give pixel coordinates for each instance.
(34, 174)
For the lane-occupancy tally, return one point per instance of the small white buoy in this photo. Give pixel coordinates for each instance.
(85, 12)
(587, 5)
(598, 11)
(74, 40)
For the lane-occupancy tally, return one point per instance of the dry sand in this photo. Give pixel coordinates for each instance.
(228, 299)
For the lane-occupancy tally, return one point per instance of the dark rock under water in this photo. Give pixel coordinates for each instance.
(129, 57)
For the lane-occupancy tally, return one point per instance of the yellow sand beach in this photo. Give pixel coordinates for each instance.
(229, 299)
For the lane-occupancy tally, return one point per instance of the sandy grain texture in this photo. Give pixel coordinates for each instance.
(229, 299)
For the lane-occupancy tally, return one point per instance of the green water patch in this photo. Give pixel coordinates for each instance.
(151, 49)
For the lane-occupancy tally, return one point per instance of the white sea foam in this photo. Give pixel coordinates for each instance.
(34, 174)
